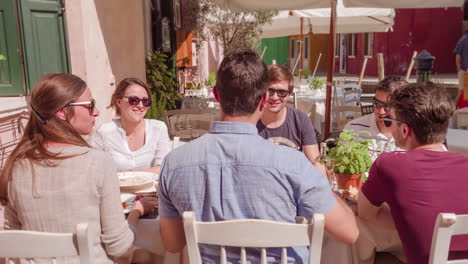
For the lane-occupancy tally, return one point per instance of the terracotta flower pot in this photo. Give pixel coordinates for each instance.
(346, 180)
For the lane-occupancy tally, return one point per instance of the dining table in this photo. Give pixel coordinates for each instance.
(457, 141)
(148, 246)
(373, 238)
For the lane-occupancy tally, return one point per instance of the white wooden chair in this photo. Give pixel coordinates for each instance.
(447, 225)
(32, 244)
(254, 233)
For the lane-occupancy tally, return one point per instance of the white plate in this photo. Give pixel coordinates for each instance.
(133, 181)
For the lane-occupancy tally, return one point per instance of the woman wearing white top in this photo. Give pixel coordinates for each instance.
(135, 143)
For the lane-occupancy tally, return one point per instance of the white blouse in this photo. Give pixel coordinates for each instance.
(111, 138)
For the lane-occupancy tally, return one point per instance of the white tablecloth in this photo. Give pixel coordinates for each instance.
(372, 238)
(457, 141)
(460, 119)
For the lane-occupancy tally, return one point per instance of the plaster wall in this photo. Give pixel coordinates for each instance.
(122, 23)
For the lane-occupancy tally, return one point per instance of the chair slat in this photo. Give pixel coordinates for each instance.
(445, 227)
(284, 256)
(223, 257)
(263, 258)
(243, 256)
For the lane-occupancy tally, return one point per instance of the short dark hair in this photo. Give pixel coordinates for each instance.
(426, 108)
(278, 72)
(390, 83)
(241, 82)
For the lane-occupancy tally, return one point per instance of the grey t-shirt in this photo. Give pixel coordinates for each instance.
(297, 128)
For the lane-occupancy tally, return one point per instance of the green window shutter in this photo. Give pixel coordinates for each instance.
(44, 42)
(11, 82)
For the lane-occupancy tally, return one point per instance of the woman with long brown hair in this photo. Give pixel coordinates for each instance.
(54, 180)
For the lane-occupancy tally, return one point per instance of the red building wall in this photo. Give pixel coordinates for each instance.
(437, 30)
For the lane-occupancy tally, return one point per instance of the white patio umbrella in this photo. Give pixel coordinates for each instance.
(267, 5)
(348, 20)
(403, 3)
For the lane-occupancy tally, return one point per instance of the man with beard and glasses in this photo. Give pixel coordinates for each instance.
(380, 135)
(409, 189)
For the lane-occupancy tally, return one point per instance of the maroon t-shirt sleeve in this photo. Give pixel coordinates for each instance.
(375, 189)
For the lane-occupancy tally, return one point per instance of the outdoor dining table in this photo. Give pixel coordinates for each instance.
(457, 141)
(459, 119)
(372, 238)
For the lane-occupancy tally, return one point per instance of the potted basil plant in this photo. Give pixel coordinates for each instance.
(349, 159)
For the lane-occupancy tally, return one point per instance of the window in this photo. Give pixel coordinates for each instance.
(337, 45)
(465, 12)
(291, 48)
(177, 15)
(368, 45)
(306, 47)
(298, 48)
(351, 45)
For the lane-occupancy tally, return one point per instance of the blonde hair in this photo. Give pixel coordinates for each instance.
(51, 93)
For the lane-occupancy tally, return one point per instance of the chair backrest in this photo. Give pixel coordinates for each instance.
(366, 108)
(344, 114)
(447, 225)
(351, 94)
(253, 233)
(32, 244)
(183, 122)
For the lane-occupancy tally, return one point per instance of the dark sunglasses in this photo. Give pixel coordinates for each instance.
(91, 105)
(388, 121)
(281, 93)
(379, 104)
(135, 100)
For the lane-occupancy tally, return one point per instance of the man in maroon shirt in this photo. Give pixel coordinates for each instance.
(408, 189)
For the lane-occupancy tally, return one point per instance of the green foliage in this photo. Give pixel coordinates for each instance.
(211, 81)
(164, 91)
(317, 83)
(351, 154)
(2, 57)
(305, 73)
(296, 74)
(233, 30)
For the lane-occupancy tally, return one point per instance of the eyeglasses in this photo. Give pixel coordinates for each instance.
(280, 92)
(388, 121)
(135, 100)
(89, 104)
(379, 104)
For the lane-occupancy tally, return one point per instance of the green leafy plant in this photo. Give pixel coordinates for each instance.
(296, 74)
(317, 83)
(211, 81)
(350, 155)
(2, 57)
(305, 73)
(164, 90)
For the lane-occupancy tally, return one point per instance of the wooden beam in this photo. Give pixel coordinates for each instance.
(380, 66)
(410, 67)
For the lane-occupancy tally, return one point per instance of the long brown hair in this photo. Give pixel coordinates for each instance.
(51, 93)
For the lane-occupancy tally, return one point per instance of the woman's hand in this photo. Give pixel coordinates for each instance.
(146, 205)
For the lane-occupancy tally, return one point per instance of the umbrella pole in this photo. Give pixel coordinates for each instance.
(331, 60)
